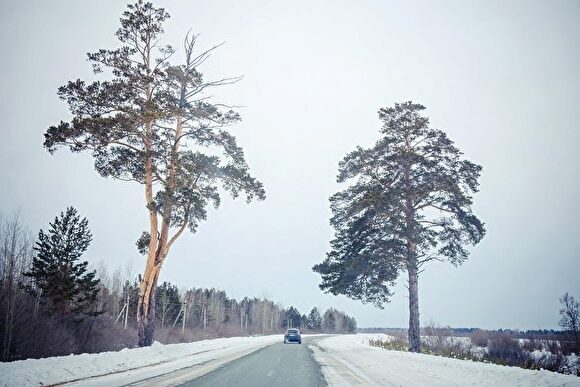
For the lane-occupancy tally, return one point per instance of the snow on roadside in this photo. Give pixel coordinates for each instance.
(364, 338)
(62, 369)
(347, 361)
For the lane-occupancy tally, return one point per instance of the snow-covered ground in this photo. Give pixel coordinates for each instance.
(349, 361)
(345, 360)
(132, 365)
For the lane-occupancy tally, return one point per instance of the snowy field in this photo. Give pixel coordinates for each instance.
(345, 360)
(349, 361)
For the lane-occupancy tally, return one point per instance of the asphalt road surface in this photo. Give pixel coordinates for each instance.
(277, 365)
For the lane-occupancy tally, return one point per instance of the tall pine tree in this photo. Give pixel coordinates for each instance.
(151, 122)
(57, 271)
(409, 203)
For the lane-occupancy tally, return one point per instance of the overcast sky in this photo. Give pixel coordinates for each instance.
(502, 78)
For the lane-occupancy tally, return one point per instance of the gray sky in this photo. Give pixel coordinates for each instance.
(501, 77)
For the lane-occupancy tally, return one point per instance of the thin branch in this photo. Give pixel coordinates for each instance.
(218, 82)
(441, 209)
(427, 204)
(159, 178)
(431, 223)
(179, 232)
(229, 106)
(198, 60)
(429, 259)
(127, 145)
(128, 179)
(419, 142)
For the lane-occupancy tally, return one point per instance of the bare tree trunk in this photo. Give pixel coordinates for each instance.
(414, 329)
(15, 251)
(146, 304)
(159, 244)
(412, 269)
(84, 346)
(146, 314)
(148, 285)
(9, 322)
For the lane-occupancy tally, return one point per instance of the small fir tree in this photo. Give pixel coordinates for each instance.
(314, 319)
(57, 272)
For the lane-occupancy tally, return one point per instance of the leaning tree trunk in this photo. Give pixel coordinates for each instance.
(414, 330)
(158, 246)
(148, 286)
(146, 308)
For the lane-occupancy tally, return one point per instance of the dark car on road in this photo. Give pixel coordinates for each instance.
(292, 335)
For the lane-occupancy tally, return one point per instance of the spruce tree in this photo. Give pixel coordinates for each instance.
(329, 320)
(57, 271)
(291, 318)
(314, 319)
(409, 204)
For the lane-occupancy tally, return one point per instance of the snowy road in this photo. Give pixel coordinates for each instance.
(280, 365)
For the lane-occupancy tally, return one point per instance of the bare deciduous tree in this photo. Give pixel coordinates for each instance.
(15, 258)
(570, 315)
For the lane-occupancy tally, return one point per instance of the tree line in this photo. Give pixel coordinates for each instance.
(210, 312)
(46, 286)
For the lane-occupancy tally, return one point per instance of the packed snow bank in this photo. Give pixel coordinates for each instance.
(348, 361)
(128, 365)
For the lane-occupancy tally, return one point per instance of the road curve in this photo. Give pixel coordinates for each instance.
(277, 365)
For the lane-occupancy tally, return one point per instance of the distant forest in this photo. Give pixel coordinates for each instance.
(459, 332)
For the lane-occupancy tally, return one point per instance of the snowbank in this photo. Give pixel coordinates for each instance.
(148, 362)
(347, 361)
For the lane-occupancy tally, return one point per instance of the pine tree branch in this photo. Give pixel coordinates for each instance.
(420, 207)
(421, 262)
(127, 146)
(159, 178)
(432, 224)
(441, 209)
(419, 142)
(218, 82)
